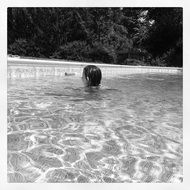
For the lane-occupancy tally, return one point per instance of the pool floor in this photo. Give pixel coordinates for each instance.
(128, 130)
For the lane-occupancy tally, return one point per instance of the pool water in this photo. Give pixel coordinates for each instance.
(128, 130)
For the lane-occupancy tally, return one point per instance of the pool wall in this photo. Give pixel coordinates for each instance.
(26, 68)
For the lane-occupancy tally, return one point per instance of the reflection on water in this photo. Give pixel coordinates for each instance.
(128, 130)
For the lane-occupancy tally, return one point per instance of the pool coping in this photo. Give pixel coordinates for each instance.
(21, 61)
(22, 67)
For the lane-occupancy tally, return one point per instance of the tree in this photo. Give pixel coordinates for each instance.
(165, 34)
(111, 35)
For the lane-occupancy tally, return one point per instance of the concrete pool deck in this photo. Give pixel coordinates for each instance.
(25, 68)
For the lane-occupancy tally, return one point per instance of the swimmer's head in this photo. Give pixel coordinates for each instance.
(91, 75)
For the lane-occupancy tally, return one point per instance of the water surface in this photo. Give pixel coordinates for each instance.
(128, 130)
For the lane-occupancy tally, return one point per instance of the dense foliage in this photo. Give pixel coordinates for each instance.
(138, 36)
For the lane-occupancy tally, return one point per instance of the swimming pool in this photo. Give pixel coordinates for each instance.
(129, 130)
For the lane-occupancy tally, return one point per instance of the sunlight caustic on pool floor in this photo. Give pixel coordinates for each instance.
(130, 130)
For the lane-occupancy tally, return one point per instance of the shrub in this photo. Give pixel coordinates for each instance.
(158, 61)
(173, 57)
(100, 53)
(76, 51)
(22, 47)
(139, 55)
(81, 51)
(134, 62)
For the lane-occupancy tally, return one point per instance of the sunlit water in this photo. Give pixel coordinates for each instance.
(129, 130)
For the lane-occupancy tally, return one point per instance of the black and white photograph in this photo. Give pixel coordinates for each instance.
(95, 94)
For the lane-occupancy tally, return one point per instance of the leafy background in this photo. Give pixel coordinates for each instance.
(128, 36)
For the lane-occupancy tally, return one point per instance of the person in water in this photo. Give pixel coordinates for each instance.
(91, 75)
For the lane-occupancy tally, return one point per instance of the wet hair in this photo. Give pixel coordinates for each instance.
(93, 75)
